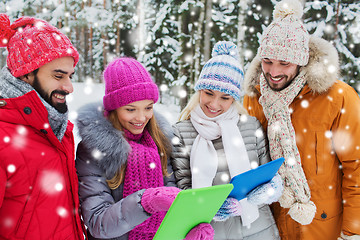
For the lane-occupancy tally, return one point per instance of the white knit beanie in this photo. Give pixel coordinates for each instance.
(286, 38)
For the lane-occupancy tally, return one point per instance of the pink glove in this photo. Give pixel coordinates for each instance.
(158, 199)
(203, 231)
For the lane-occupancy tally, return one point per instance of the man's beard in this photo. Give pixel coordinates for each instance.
(60, 107)
(267, 76)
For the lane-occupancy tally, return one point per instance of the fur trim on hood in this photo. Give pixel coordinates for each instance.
(321, 72)
(105, 143)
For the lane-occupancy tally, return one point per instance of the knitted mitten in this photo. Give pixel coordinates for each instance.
(230, 208)
(158, 199)
(202, 231)
(266, 193)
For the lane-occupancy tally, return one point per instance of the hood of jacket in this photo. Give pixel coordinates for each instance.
(107, 144)
(321, 72)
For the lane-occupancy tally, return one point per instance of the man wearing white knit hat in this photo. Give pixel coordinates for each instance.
(311, 119)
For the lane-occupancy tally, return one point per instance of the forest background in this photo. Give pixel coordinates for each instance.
(173, 39)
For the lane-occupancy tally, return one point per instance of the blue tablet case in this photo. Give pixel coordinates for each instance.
(247, 181)
(191, 207)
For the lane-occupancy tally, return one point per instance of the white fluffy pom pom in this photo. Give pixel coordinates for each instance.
(288, 7)
(225, 48)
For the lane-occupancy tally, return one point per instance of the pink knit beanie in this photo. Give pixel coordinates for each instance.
(286, 38)
(127, 81)
(32, 43)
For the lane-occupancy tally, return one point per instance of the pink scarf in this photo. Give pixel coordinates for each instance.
(143, 171)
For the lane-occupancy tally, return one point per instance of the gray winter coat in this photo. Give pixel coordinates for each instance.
(100, 154)
(257, 147)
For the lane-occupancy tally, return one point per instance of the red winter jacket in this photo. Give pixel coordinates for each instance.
(38, 182)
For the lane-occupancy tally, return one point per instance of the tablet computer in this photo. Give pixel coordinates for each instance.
(247, 181)
(191, 207)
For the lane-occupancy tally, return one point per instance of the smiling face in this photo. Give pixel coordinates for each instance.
(213, 103)
(278, 74)
(53, 81)
(135, 115)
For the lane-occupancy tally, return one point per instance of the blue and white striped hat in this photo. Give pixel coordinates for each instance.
(223, 71)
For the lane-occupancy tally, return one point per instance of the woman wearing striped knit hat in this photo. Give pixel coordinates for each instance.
(216, 140)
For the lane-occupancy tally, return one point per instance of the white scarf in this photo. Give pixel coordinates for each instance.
(204, 159)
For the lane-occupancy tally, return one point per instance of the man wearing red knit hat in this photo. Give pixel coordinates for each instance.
(38, 182)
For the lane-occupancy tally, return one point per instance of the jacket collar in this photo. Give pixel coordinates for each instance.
(321, 72)
(12, 88)
(106, 143)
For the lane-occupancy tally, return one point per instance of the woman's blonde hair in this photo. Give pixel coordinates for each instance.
(161, 141)
(195, 100)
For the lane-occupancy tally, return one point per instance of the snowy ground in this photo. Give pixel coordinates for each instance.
(92, 92)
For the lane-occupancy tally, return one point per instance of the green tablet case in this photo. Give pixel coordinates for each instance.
(191, 207)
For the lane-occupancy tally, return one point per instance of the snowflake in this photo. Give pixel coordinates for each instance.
(258, 133)
(225, 177)
(182, 93)
(270, 191)
(331, 69)
(88, 90)
(8, 222)
(254, 164)
(152, 165)
(243, 118)
(304, 103)
(164, 88)
(73, 115)
(328, 134)
(175, 140)
(11, 168)
(21, 130)
(291, 161)
(6, 139)
(236, 141)
(62, 212)
(51, 182)
(98, 155)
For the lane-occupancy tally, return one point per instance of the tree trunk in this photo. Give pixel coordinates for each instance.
(337, 20)
(184, 66)
(141, 29)
(240, 30)
(207, 34)
(198, 42)
(105, 38)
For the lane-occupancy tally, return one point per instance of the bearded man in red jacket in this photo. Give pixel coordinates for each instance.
(38, 182)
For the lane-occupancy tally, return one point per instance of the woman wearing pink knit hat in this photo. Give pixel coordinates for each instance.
(126, 181)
